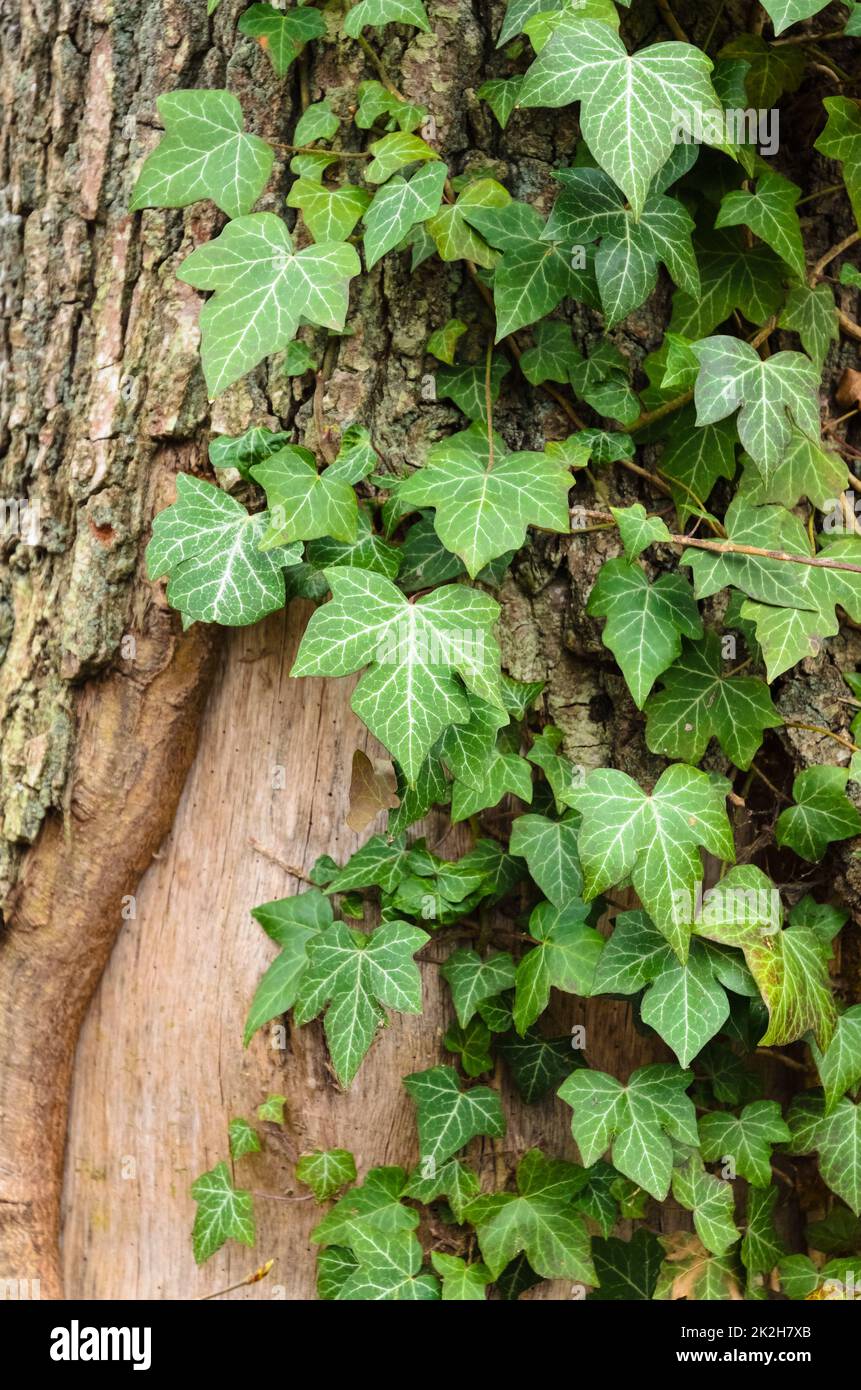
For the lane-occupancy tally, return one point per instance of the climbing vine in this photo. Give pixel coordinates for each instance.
(742, 559)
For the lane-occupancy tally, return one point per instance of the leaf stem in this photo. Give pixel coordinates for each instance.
(826, 733)
(377, 64)
(254, 1278)
(671, 22)
(818, 268)
(488, 402)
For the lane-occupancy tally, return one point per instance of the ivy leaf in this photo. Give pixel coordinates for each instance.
(330, 214)
(626, 1269)
(485, 503)
(376, 1203)
(565, 956)
(770, 214)
(841, 140)
(637, 530)
(837, 1139)
(653, 839)
(393, 151)
(204, 153)
(505, 773)
(812, 314)
(553, 355)
(631, 107)
(502, 95)
(317, 122)
(766, 393)
(262, 289)
(472, 980)
(208, 546)
(376, 13)
(244, 450)
(448, 1117)
(354, 975)
(442, 343)
(699, 702)
(694, 457)
(224, 1212)
(839, 1066)
(382, 863)
(304, 504)
(538, 1220)
(282, 33)
(399, 205)
(375, 101)
(461, 1282)
(243, 1138)
(771, 70)
(272, 1109)
(550, 850)
(409, 695)
(366, 551)
(639, 1120)
(453, 1180)
(466, 385)
(690, 1272)
(468, 750)
(782, 13)
(745, 1139)
(821, 815)
(389, 1264)
(685, 1004)
(761, 1250)
(535, 272)
(731, 277)
(712, 1203)
(326, 1171)
(472, 1044)
(645, 622)
(806, 470)
(538, 1063)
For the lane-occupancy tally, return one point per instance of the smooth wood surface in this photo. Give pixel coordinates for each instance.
(160, 1068)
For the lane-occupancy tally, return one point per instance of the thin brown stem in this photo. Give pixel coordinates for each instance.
(254, 1278)
(826, 733)
(817, 269)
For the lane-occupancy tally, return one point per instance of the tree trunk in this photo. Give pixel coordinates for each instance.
(103, 402)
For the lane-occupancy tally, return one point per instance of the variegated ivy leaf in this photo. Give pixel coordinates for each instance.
(645, 622)
(448, 1117)
(590, 206)
(836, 1137)
(566, 953)
(393, 151)
(627, 1269)
(472, 980)
(632, 108)
(399, 205)
(263, 288)
(326, 1171)
(806, 470)
(352, 975)
(553, 355)
(654, 840)
(244, 450)
(304, 504)
(376, 102)
(638, 1120)
(486, 501)
(812, 314)
(782, 13)
(381, 863)
(535, 273)
(770, 214)
(414, 650)
(329, 213)
(204, 153)
(767, 394)
(375, 13)
(841, 140)
(442, 343)
(711, 1201)
(685, 1004)
(789, 965)
(272, 1109)
(550, 850)
(506, 773)
(745, 1139)
(209, 547)
(732, 276)
(282, 33)
(367, 551)
(839, 1066)
(468, 749)
(520, 15)
(317, 122)
(637, 530)
(461, 1282)
(562, 775)
(701, 701)
(690, 1272)
(770, 69)
(822, 813)
(224, 1212)
(454, 236)
(539, 1219)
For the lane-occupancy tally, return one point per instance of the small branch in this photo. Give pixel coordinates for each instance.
(775, 791)
(820, 193)
(818, 268)
(849, 326)
(671, 22)
(254, 1278)
(808, 38)
(782, 1058)
(651, 416)
(820, 729)
(377, 64)
(310, 149)
(276, 859)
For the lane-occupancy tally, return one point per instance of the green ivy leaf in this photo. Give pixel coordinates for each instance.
(330, 214)
(375, 1204)
(472, 980)
(631, 107)
(389, 1265)
(731, 277)
(806, 470)
(272, 1109)
(393, 151)
(244, 450)
(812, 314)
(355, 975)
(783, 13)
(448, 1117)
(204, 153)
(262, 290)
(770, 214)
(409, 695)
(700, 702)
(454, 237)
(639, 1121)
(442, 344)
(502, 95)
(461, 1282)
(505, 773)
(243, 1138)
(761, 1249)
(821, 815)
(304, 504)
(745, 1139)
(841, 140)
(712, 1203)
(326, 1171)
(550, 850)
(653, 839)
(376, 13)
(839, 1066)
(317, 122)
(375, 101)
(771, 69)
(837, 1139)
(398, 206)
(645, 622)
(224, 1212)
(467, 385)
(472, 1045)
(453, 1180)
(282, 33)
(484, 504)
(637, 530)
(208, 546)
(537, 1064)
(538, 1220)
(626, 1269)
(565, 957)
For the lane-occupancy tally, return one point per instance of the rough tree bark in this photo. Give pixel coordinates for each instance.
(102, 402)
